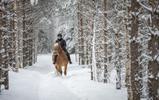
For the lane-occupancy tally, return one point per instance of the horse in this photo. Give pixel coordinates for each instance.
(61, 59)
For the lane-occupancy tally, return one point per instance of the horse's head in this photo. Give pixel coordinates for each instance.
(57, 48)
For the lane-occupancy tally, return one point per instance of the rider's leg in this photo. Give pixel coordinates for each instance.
(68, 56)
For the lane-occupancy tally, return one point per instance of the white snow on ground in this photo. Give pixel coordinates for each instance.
(39, 82)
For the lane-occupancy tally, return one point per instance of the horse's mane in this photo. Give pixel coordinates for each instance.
(57, 47)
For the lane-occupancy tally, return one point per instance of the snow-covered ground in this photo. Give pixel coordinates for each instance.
(39, 82)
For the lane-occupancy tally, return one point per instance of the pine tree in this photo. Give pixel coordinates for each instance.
(153, 47)
(12, 39)
(134, 85)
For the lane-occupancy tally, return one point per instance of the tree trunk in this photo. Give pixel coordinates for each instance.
(153, 67)
(105, 43)
(134, 94)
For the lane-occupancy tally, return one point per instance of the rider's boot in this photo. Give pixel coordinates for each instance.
(69, 58)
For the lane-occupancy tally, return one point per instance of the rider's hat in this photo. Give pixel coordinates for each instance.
(59, 35)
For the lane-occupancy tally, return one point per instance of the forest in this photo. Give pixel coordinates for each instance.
(114, 46)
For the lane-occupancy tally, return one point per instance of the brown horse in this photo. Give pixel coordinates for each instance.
(61, 59)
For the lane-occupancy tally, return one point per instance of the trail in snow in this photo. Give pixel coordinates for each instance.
(39, 82)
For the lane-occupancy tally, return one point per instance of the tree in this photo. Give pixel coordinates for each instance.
(16, 47)
(153, 47)
(7, 40)
(134, 85)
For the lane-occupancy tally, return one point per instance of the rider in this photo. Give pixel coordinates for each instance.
(62, 42)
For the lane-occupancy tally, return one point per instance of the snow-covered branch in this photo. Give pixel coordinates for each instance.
(148, 7)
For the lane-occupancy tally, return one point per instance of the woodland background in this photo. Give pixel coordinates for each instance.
(103, 34)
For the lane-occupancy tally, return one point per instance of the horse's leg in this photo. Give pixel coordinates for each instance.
(65, 71)
(60, 70)
(57, 71)
(56, 67)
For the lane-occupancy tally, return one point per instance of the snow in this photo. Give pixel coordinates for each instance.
(146, 6)
(7, 0)
(44, 19)
(39, 82)
(2, 50)
(33, 2)
(156, 33)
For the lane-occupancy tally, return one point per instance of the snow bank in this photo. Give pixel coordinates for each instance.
(23, 86)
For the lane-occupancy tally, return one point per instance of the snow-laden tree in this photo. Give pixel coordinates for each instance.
(84, 30)
(151, 18)
(17, 43)
(144, 70)
(134, 85)
(8, 40)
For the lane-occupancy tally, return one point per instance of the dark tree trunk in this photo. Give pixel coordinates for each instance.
(134, 93)
(153, 68)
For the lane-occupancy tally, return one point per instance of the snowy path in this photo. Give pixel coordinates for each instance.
(39, 82)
